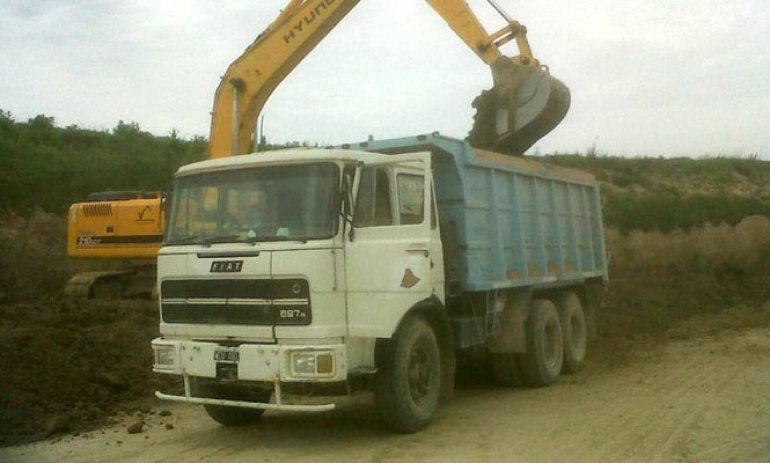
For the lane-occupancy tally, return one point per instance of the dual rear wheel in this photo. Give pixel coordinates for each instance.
(556, 343)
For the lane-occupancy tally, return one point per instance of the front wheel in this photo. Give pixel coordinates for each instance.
(234, 416)
(408, 384)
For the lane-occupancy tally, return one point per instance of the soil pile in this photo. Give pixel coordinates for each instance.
(69, 365)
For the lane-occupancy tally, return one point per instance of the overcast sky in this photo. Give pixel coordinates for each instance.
(655, 77)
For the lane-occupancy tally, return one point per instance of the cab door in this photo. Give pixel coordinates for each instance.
(388, 253)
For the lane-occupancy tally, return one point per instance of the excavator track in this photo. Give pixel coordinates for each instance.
(531, 114)
(137, 282)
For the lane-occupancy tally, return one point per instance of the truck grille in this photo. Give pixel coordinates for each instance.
(236, 302)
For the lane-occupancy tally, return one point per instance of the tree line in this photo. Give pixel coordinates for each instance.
(44, 166)
(50, 167)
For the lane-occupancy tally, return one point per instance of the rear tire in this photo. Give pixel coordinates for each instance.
(575, 332)
(408, 384)
(542, 363)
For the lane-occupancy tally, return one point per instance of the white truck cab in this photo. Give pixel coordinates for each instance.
(264, 277)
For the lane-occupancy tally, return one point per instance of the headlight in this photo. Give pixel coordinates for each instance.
(312, 363)
(304, 363)
(165, 356)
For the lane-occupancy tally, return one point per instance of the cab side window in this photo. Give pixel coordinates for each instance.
(411, 198)
(374, 199)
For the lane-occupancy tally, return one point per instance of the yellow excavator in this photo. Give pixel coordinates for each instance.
(524, 104)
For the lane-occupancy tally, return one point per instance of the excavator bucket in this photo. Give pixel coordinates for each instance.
(523, 106)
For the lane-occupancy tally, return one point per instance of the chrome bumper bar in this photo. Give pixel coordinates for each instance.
(242, 404)
(278, 405)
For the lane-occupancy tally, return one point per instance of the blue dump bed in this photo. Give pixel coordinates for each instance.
(509, 222)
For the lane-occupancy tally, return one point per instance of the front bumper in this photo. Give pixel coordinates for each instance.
(249, 362)
(278, 405)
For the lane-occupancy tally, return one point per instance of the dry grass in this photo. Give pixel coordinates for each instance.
(656, 278)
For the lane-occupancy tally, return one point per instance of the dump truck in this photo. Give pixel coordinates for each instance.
(373, 266)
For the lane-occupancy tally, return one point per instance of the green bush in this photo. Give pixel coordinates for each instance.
(666, 211)
(646, 193)
(49, 167)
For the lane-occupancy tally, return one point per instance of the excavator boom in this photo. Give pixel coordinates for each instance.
(252, 78)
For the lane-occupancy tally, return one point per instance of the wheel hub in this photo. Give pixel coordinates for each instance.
(419, 373)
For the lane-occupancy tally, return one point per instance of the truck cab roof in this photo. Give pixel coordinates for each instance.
(284, 156)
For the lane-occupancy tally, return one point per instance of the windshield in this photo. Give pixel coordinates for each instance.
(275, 203)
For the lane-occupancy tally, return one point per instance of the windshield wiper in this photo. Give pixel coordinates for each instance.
(219, 239)
(209, 240)
(205, 240)
(273, 238)
(192, 239)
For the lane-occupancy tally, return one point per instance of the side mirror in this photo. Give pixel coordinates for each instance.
(349, 206)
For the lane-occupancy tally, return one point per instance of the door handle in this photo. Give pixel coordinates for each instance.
(426, 252)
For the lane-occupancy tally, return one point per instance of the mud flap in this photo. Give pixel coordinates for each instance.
(511, 337)
(594, 301)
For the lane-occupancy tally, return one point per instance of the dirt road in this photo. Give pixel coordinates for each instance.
(705, 399)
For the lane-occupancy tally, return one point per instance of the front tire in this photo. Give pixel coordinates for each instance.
(542, 363)
(408, 385)
(234, 416)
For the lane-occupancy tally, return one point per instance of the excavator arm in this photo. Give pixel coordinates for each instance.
(524, 104)
(252, 78)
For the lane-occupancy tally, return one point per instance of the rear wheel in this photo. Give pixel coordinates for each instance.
(542, 363)
(408, 384)
(574, 330)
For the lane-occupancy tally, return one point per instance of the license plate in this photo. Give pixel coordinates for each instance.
(227, 355)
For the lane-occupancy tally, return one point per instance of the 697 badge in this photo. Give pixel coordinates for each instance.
(293, 315)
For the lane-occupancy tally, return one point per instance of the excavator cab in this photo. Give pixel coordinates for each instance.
(525, 104)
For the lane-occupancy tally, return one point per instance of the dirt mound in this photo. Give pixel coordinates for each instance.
(68, 365)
